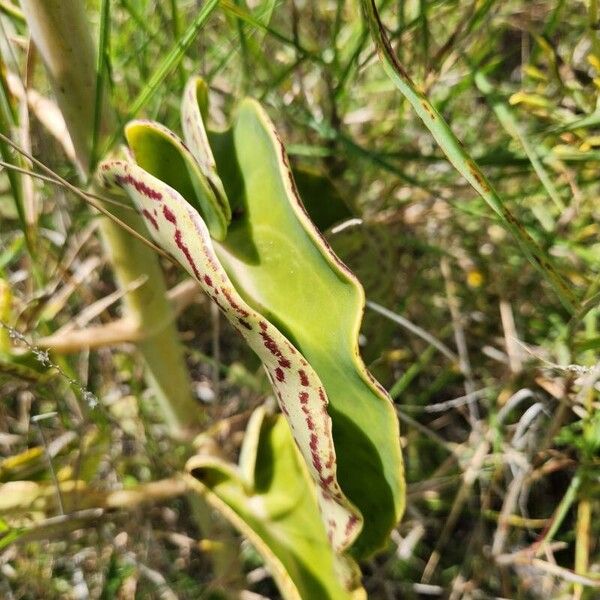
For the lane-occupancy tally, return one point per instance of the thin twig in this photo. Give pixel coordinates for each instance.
(37, 420)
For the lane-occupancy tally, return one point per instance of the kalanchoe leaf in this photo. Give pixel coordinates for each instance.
(270, 499)
(180, 230)
(159, 151)
(283, 268)
(194, 109)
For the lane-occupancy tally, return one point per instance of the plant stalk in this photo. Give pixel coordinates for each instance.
(60, 31)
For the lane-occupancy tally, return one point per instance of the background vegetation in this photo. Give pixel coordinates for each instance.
(499, 411)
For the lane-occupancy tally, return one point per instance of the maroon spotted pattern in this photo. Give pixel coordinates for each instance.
(303, 378)
(271, 345)
(352, 521)
(245, 324)
(150, 218)
(300, 394)
(238, 309)
(169, 215)
(186, 251)
(139, 186)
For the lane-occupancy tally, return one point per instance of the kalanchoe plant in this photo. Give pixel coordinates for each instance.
(269, 497)
(281, 286)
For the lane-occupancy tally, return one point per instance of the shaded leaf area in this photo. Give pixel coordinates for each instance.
(321, 199)
(270, 499)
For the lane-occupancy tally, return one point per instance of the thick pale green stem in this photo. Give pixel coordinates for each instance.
(61, 33)
(149, 306)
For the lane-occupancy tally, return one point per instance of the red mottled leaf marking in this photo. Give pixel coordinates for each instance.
(140, 186)
(330, 460)
(279, 374)
(309, 421)
(352, 522)
(223, 309)
(150, 218)
(169, 215)
(303, 378)
(326, 481)
(208, 281)
(186, 252)
(233, 303)
(273, 348)
(293, 350)
(245, 324)
(316, 461)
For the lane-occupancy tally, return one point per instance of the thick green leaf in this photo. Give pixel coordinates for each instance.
(270, 499)
(160, 152)
(194, 109)
(285, 270)
(180, 230)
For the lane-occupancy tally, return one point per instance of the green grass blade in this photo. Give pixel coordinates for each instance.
(257, 21)
(7, 125)
(101, 66)
(176, 26)
(509, 122)
(11, 10)
(169, 62)
(172, 59)
(460, 159)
